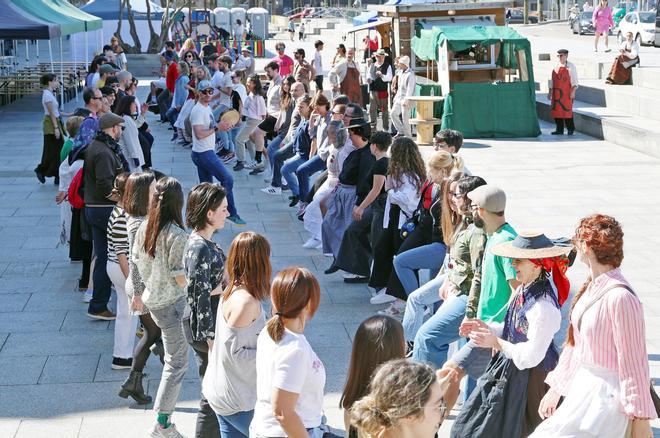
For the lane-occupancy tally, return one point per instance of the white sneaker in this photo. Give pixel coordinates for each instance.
(87, 296)
(270, 190)
(312, 243)
(395, 309)
(158, 432)
(251, 165)
(381, 297)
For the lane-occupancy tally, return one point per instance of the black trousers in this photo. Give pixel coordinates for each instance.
(570, 125)
(207, 422)
(319, 82)
(387, 245)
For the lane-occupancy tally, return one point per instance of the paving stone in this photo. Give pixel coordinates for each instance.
(27, 344)
(78, 368)
(27, 322)
(18, 269)
(13, 302)
(56, 428)
(9, 427)
(25, 371)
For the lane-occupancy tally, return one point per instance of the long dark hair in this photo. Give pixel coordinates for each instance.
(406, 161)
(123, 107)
(377, 340)
(165, 209)
(258, 89)
(136, 193)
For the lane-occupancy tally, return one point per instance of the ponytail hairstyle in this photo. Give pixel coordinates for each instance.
(248, 265)
(204, 197)
(165, 209)
(604, 236)
(400, 389)
(449, 219)
(443, 163)
(294, 289)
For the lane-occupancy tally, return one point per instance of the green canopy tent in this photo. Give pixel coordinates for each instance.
(486, 109)
(70, 19)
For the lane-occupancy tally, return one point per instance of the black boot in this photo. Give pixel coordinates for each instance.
(133, 387)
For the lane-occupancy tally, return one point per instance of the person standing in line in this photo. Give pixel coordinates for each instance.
(290, 376)
(230, 381)
(405, 399)
(103, 162)
(204, 262)
(603, 22)
(562, 93)
(380, 75)
(291, 29)
(239, 32)
(117, 268)
(303, 71)
(53, 131)
(345, 77)
(317, 63)
(268, 125)
(377, 340)
(301, 31)
(254, 113)
(603, 370)
(158, 254)
(522, 346)
(130, 138)
(283, 61)
(400, 113)
(203, 153)
(136, 204)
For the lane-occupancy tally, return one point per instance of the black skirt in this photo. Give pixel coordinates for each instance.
(50, 155)
(79, 248)
(386, 246)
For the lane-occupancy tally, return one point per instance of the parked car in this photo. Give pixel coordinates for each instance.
(583, 24)
(620, 10)
(517, 16)
(641, 24)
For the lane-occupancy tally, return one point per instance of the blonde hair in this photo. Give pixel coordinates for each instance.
(184, 68)
(443, 161)
(399, 389)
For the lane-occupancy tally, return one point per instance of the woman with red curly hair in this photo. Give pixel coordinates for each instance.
(603, 371)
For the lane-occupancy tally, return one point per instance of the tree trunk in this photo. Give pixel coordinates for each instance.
(121, 12)
(153, 36)
(526, 11)
(540, 10)
(133, 30)
(166, 23)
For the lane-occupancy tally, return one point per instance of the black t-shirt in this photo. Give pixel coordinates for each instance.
(236, 101)
(380, 168)
(357, 172)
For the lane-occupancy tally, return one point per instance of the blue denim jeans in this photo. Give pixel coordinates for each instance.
(289, 173)
(418, 301)
(407, 263)
(236, 425)
(279, 157)
(209, 166)
(172, 115)
(273, 147)
(305, 171)
(225, 140)
(435, 335)
(219, 110)
(98, 219)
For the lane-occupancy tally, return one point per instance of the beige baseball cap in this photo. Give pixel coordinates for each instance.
(489, 197)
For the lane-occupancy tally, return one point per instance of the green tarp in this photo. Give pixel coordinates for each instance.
(62, 13)
(500, 109)
(482, 110)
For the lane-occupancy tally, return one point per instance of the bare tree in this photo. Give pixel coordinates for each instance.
(171, 11)
(131, 23)
(154, 39)
(526, 11)
(119, 20)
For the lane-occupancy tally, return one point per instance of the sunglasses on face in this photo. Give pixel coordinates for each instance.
(98, 98)
(208, 91)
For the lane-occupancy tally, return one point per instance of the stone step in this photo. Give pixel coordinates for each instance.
(632, 131)
(143, 65)
(630, 99)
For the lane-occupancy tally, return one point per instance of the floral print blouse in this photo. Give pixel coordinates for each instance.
(203, 263)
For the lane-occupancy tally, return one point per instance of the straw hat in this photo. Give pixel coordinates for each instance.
(530, 245)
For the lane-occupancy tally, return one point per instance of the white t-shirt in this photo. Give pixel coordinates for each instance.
(48, 96)
(221, 80)
(202, 115)
(290, 365)
(318, 63)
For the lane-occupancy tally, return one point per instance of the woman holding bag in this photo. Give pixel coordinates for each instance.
(514, 381)
(603, 371)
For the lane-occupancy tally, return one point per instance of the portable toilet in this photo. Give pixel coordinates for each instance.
(236, 14)
(259, 18)
(222, 18)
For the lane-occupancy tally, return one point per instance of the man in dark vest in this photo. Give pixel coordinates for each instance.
(380, 75)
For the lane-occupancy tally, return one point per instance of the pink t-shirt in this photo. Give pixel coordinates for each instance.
(285, 63)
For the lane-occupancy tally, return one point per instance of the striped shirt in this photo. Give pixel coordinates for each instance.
(613, 337)
(117, 234)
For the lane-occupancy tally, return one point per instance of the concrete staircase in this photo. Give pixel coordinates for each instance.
(143, 65)
(627, 115)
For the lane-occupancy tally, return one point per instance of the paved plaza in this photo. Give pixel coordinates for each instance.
(55, 376)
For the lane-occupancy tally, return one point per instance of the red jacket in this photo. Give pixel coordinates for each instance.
(172, 76)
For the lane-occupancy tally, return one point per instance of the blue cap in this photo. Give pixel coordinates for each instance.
(203, 85)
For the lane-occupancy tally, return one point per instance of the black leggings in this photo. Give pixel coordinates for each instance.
(149, 338)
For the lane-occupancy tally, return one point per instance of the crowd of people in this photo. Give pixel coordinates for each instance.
(381, 213)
